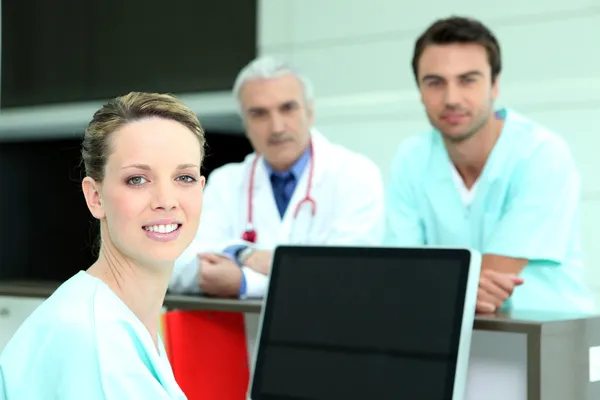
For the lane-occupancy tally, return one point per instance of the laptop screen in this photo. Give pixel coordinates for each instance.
(361, 323)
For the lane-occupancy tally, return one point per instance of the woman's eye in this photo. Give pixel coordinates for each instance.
(187, 178)
(136, 180)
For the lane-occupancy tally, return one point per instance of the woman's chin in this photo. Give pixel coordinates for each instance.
(160, 259)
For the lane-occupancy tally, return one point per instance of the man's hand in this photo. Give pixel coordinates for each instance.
(260, 261)
(219, 276)
(494, 289)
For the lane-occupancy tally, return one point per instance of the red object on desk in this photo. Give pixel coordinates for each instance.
(208, 353)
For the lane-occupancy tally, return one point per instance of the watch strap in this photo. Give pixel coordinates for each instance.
(243, 254)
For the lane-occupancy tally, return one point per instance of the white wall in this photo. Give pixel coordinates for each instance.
(358, 53)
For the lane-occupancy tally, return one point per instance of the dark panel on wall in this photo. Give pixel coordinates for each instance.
(48, 231)
(67, 50)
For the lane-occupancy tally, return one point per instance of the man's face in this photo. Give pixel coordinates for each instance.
(456, 89)
(277, 119)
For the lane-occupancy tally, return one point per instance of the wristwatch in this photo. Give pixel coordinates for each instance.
(243, 255)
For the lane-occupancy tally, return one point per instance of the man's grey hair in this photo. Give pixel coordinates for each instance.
(268, 67)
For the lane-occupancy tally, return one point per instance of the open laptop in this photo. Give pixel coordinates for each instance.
(346, 323)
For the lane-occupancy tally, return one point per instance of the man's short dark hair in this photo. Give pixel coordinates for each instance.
(459, 30)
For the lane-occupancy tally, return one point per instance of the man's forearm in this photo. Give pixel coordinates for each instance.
(502, 264)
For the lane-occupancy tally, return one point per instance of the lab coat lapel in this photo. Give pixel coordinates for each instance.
(266, 216)
(302, 224)
(321, 146)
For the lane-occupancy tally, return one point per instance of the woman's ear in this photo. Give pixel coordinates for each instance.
(91, 191)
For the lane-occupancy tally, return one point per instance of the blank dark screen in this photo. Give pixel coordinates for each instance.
(357, 327)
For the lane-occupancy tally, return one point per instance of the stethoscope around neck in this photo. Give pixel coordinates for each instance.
(250, 234)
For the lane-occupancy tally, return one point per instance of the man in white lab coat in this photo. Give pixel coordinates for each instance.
(296, 188)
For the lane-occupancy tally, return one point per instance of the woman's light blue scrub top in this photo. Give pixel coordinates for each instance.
(526, 205)
(83, 342)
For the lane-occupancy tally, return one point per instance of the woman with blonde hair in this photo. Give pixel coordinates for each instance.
(97, 337)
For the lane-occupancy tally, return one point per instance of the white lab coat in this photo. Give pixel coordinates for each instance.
(349, 194)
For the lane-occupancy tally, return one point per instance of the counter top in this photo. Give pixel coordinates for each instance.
(534, 322)
(181, 302)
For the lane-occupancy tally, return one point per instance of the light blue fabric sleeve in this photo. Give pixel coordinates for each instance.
(404, 224)
(231, 252)
(542, 210)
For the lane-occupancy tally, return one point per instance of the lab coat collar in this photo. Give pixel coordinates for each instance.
(320, 147)
(296, 169)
